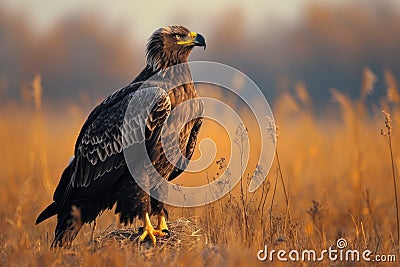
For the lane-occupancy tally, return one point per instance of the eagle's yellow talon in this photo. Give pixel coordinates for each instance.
(162, 225)
(150, 235)
(149, 231)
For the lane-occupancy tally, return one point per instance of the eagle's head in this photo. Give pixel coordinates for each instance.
(171, 45)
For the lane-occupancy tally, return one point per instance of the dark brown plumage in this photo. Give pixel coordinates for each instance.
(98, 176)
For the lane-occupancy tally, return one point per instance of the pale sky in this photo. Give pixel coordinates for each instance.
(145, 16)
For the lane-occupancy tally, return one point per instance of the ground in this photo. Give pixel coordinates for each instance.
(336, 167)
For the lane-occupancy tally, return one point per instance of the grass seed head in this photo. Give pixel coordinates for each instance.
(388, 125)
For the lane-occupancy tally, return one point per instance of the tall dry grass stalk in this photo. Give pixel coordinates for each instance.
(388, 136)
(241, 137)
(354, 112)
(283, 182)
(39, 155)
(37, 91)
(391, 91)
(273, 130)
(368, 81)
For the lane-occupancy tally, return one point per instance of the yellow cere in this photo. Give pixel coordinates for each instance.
(189, 41)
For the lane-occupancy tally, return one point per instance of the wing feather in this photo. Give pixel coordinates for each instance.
(108, 131)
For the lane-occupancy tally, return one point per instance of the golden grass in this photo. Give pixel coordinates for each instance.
(336, 169)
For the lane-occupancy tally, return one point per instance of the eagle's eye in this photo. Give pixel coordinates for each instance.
(177, 36)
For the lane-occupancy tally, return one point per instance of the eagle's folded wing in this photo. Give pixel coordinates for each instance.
(124, 119)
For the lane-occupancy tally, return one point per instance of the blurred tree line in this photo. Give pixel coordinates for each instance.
(82, 57)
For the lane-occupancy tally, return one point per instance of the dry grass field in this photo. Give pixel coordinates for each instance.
(336, 167)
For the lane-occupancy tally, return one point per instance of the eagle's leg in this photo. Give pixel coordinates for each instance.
(162, 224)
(149, 231)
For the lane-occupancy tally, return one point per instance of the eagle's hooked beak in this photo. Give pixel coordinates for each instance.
(198, 39)
(195, 39)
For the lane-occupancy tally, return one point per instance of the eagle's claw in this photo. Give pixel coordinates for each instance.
(152, 233)
(167, 233)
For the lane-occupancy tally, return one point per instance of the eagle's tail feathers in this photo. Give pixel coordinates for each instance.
(48, 212)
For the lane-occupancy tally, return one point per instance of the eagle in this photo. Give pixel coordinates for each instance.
(98, 176)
